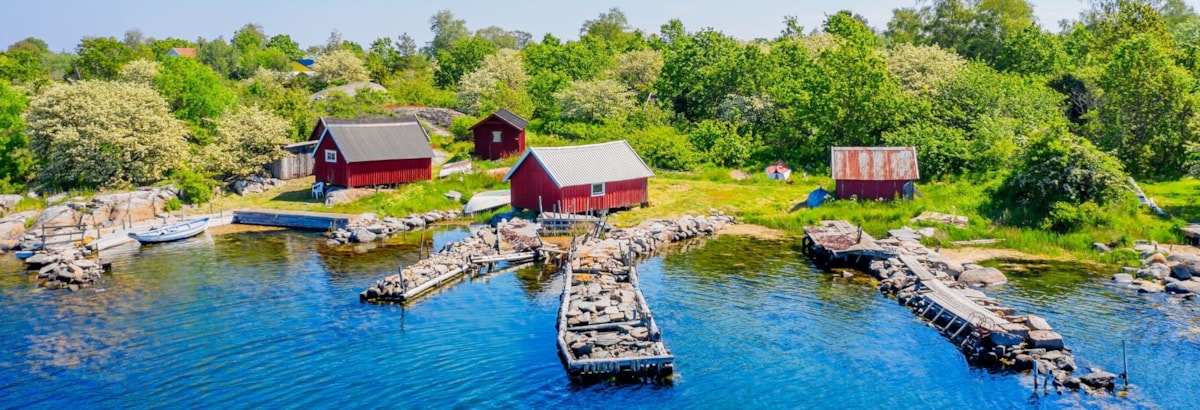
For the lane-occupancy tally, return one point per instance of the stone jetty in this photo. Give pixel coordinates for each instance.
(370, 228)
(509, 241)
(945, 293)
(65, 268)
(605, 327)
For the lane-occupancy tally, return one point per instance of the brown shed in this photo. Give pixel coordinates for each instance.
(882, 173)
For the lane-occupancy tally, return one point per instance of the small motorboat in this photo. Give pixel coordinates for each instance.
(23, 254)
(173, 232)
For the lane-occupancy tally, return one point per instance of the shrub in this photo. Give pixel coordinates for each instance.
(461, 127)
(195, 187)
(173, 204)
(1065, 217)
(663, 147)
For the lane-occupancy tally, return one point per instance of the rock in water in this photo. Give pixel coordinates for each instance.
(362, 235)
(1045, 339)
(983, 277)
(1100, 379)
(1123, 278)
(1184, 286)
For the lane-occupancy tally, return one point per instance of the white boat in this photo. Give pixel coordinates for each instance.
(172, 232)
(487, 200)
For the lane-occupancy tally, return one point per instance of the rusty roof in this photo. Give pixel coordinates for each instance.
(875, 163)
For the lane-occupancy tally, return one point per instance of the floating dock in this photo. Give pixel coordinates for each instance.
(294, 219)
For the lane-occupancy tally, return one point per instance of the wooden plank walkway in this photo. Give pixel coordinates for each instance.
(951, 300)
(294, 219)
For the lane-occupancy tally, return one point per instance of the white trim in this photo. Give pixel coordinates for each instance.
(331, 155)
(602, 185)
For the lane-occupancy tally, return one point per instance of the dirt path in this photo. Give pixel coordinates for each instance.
(756, 231)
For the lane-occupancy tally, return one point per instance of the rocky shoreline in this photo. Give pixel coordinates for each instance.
(604, 314)
(103, 210)
(515, 236)
(1019, 344)
(1176, 274)
(66, 268)
(371, 228)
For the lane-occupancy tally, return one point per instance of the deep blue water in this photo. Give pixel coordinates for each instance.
(257, 320)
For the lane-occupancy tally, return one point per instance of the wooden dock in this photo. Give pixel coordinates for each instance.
(839, 242)
(294, 219)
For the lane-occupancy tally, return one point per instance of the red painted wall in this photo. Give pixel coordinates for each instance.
(531, 181)
(396, 171)
(358, 174)
(870, 190)
(512, 140)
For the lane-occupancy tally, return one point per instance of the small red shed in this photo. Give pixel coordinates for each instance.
(372, 153)
(499, 135)
(580, 178)
(881, 173)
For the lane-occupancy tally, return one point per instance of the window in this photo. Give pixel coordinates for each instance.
(331, 155)
(598, 189)
(495, 137)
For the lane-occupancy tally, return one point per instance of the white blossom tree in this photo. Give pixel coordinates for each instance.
(104, 134)
(503, 69)
(246, 140)
(596, 99)
(139, 72)
(341, 67)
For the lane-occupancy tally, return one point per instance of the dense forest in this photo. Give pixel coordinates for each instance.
(1061, 117)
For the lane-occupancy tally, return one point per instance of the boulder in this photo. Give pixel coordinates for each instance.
(1184, 286)
(57, 215)
(1045, 339)
(1144, 249)
(1181, 271)
(1123, 278)
(12, 227)
(341, 196)
(952, 268)
(1037, 323)
(1102, 248)
(1099, 379)
(983, 277)
(376, 228)
(362, 235)
(1156, 271)
(7, 202)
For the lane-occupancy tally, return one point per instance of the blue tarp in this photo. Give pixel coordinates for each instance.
(817, 196)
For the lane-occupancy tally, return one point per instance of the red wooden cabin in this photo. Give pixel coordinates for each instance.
(580, 178)
(371, 154)
(499, 135)
(875, 173)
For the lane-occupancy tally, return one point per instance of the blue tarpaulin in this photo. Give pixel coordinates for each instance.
(817, 196)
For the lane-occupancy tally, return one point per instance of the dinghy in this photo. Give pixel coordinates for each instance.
(172, 232)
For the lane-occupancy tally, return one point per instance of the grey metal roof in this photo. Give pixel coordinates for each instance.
(374, 120)
(587, 164)
(511, 118)
(381, 141)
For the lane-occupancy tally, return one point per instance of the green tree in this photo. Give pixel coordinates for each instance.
(194, 92)
(249, 37)
(21, 66)
(612, 26)
(1033, 51)
(499, 37)
(161, 47)
(266, 90)
(447, 30)
(103, 134)
(220, 56)
(462, 57)
(101, 58)
(246, 140)
(1148, 110)
(286, 45)
(638, 70)
(34, 44)
(16, 162)
(1056, 176)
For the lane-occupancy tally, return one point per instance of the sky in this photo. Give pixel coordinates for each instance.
(62, 23)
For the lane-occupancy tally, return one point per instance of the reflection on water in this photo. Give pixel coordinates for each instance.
(263, 319)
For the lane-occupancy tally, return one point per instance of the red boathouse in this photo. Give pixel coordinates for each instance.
(580, 178)
(372, 153)
(875, 173)
(499, 135)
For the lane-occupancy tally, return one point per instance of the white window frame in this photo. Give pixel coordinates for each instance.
(602, 187)
(497, 137)
(331, 155)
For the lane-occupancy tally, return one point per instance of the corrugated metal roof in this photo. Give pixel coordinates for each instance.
(380, 141)
(506, 116)
(587, 164)
(875, 163)
(378, 120)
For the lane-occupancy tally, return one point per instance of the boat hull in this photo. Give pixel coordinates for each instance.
(172, 232)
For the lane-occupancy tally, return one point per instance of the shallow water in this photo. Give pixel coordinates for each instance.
(272, 319)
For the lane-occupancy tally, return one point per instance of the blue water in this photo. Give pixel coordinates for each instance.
(255, 320)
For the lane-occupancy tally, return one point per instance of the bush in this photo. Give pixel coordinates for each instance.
(195, 187)
(1065, 217)
(663, 147)
(461, 127)
(173, 204)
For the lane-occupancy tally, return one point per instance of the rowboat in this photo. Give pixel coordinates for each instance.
(172, 232)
